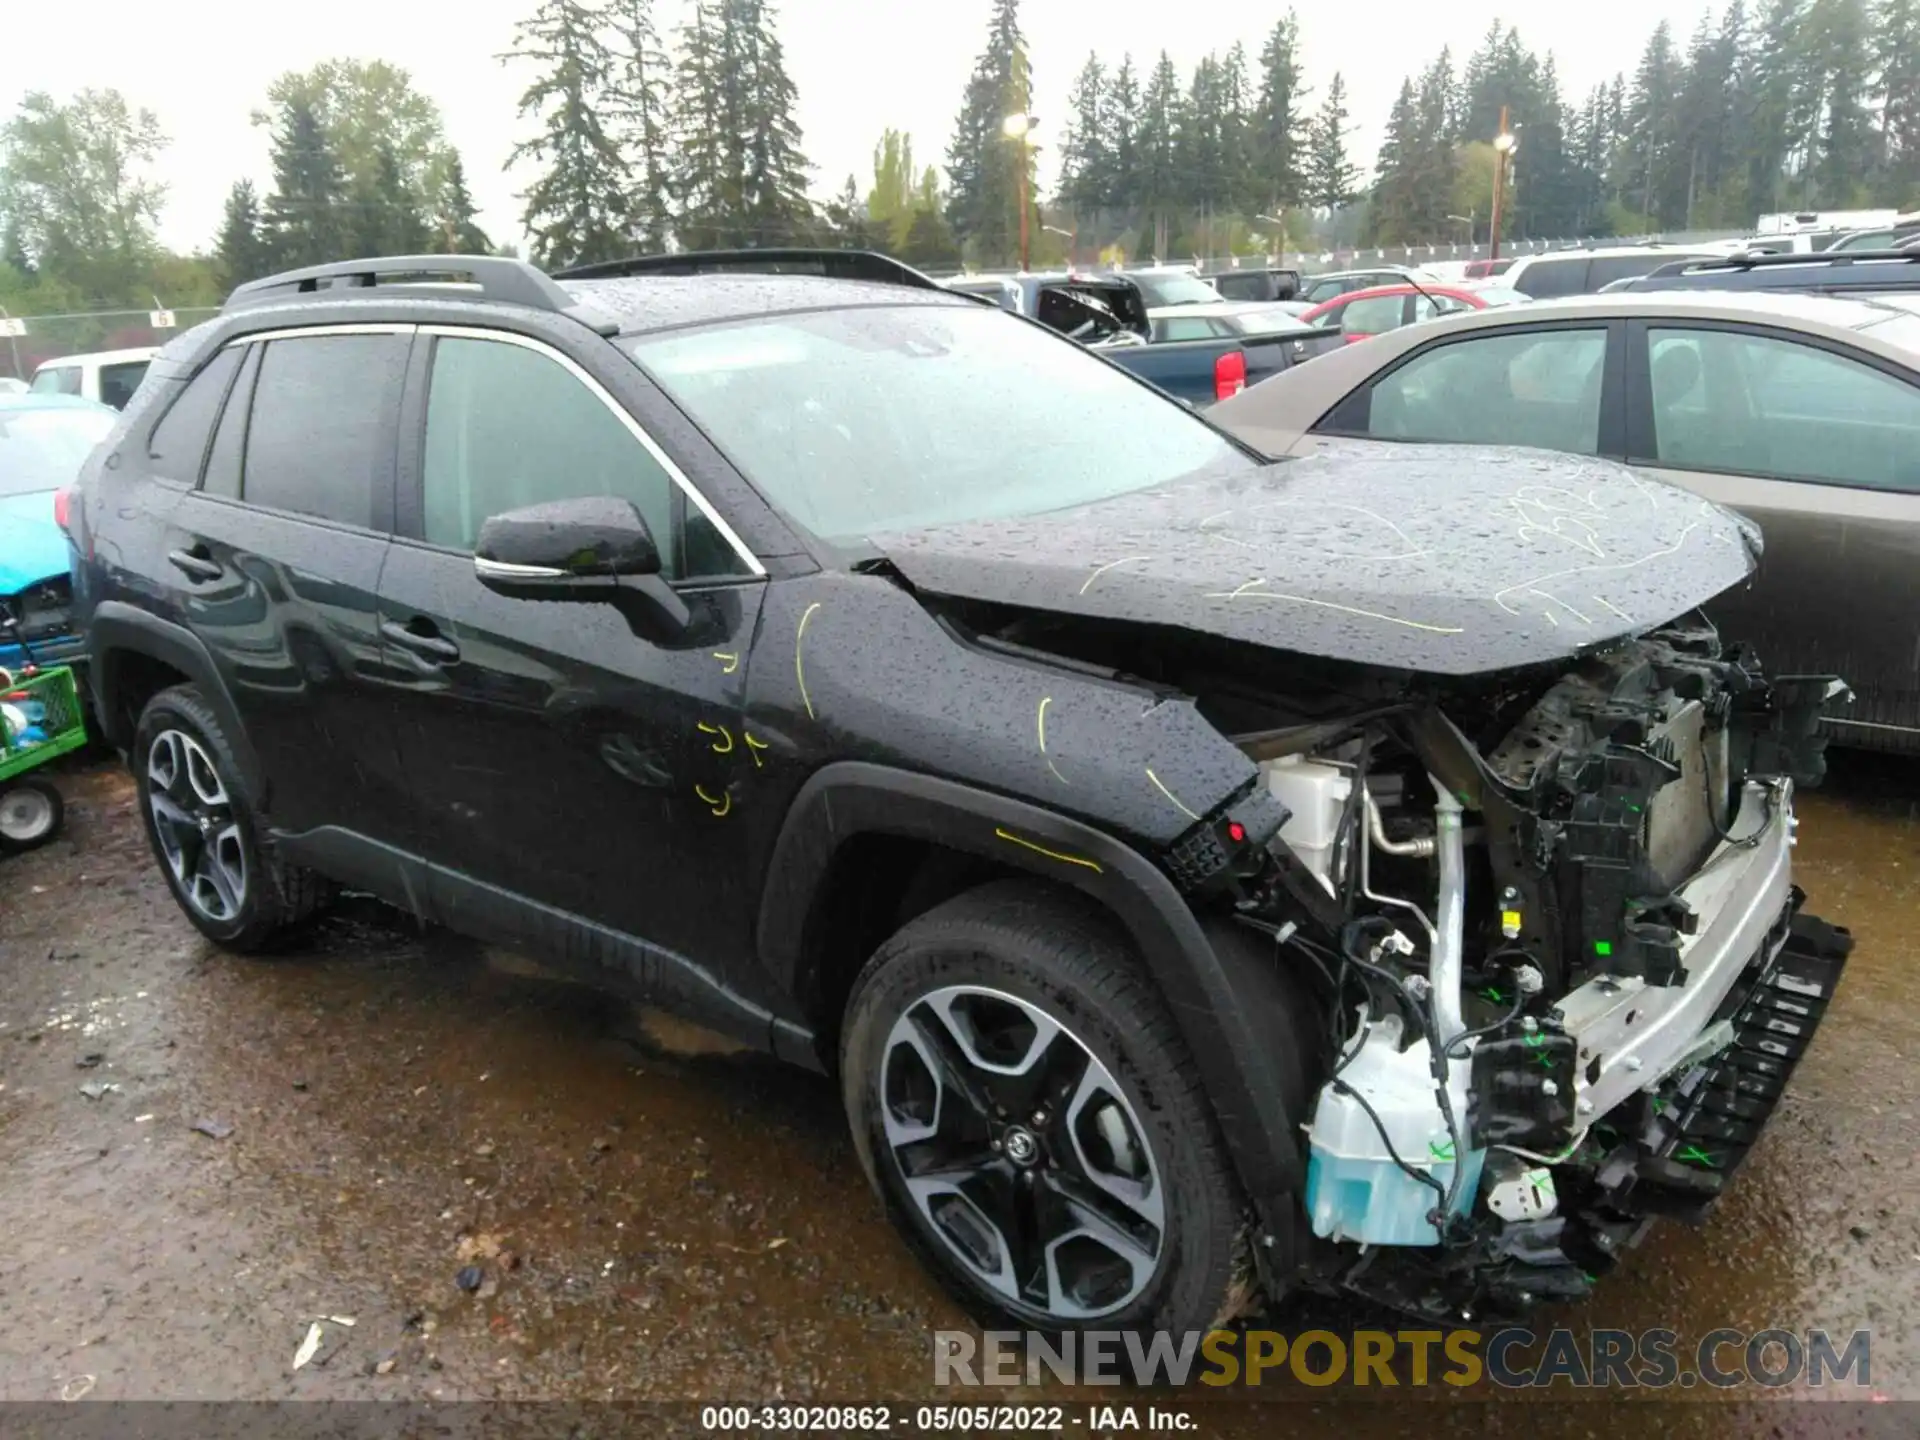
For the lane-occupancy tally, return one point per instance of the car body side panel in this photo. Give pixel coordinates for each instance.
(1840, 565)
(853, 667)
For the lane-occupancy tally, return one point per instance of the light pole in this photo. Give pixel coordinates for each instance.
(1504, 144)
(1072, 238)
(1017, 128)
(1466, 220)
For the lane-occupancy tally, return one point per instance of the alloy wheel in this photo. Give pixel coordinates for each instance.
(1021, 1153)
(194, 820)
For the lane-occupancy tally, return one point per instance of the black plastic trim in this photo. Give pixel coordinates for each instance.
(117, 626)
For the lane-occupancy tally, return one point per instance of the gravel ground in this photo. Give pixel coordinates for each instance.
(343, 1129)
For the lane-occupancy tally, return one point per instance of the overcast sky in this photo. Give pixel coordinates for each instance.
(860, 65)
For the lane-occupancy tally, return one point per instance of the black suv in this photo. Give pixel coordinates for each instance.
(1197, 870)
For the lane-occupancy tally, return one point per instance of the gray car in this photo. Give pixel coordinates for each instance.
(1801, 410)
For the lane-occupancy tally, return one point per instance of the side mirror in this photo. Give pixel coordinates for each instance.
(594, 548)
(595, 536)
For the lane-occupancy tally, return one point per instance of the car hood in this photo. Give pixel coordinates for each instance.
(1448, 560)
(32, 547)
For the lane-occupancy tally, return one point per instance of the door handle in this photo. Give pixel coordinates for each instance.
(426, 641)
(196, 564)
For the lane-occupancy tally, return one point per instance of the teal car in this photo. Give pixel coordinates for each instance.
(44, 440)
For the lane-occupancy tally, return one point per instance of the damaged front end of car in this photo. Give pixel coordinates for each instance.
(1529, 854)
(1566, 970)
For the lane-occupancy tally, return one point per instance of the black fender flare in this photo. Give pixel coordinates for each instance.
(1235, 1009)
(119, 628)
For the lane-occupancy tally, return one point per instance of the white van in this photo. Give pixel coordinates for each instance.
(108, 376)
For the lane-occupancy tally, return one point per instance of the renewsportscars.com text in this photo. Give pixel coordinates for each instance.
(1513, 1357)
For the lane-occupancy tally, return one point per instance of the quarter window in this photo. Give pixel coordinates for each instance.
(1543, 279)
(1533, 387)
(179, 441)
(118, 382)
(1757, 405)
(509, 427)
(319, 439)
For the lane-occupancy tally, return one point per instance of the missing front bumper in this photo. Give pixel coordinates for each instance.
(1632, 1034)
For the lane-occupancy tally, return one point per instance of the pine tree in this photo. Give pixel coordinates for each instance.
(241, 251)
(1433, 166)
(1236, 133)
(637, 101)
(1331, 178)
(983, 164)
(1897, 54)
(709, 184)
(1655, 172)
(1123, 138)
(930, 243)
(849, 222)
(1086, 162)
(1391, 216)
(455, 229)
(304, 220)
(1776, 123)
(1161, 180)
(777, 211)
(1198, 144)
(1839, 59)
(384, 212)
(1280, 119)
(578, 207)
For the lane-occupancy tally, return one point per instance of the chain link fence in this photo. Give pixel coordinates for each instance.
(28, 341)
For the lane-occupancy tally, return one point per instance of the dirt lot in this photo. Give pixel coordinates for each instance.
(650, 1222)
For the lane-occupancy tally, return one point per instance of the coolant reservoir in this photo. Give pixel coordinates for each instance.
(1314, 794)
(1354, 1190)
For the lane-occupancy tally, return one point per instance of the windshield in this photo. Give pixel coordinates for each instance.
(44, 449)
(1176, 290)
(859, 421)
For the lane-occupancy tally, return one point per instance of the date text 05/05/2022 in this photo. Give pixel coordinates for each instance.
(942, 1419)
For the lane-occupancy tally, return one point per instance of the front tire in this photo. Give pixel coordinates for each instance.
(1023, 1102)
(202, 827)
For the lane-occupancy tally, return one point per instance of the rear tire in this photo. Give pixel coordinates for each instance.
(1024, 1104)
(203, 830)
(31, 810)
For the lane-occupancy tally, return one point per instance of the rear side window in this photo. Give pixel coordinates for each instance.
(320, 436)
(1539, 388)
(229, 441)
(1544, 279)
(179, 442)
(118, 382)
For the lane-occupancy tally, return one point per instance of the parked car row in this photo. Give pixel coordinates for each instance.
(1801, 410)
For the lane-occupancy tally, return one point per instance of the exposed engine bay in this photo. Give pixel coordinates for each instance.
(1561, 957)
(1549, 917)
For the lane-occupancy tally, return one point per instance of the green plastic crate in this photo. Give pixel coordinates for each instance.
(53, 689)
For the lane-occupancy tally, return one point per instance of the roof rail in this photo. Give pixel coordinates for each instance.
(1768, 260)
(778, 260)
(499, 279)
